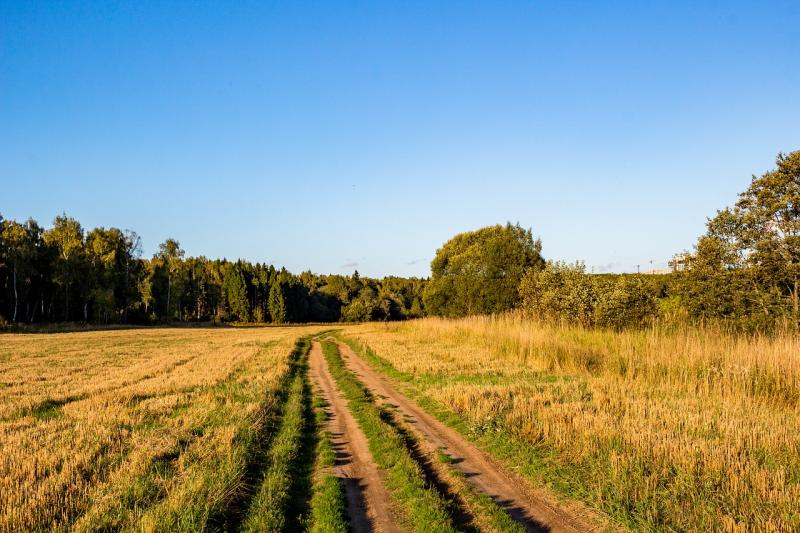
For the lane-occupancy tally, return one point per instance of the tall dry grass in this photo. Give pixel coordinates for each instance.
(688, 429)
(139, 428)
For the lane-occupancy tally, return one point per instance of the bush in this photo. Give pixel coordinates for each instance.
(564, 292)
(629, 302)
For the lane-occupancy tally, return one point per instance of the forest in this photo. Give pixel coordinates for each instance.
(66, 274)
(744, 273)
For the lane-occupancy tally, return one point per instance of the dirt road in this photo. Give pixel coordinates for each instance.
(367, 500)
(532, 508)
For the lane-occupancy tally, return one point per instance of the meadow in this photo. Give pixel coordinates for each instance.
(680, 429)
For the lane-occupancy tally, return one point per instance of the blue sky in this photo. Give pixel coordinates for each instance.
(338, 135)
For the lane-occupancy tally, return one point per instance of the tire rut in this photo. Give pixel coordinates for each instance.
(368, 502)
(532, 508)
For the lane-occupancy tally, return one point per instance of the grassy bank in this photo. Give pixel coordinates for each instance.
(267, 510)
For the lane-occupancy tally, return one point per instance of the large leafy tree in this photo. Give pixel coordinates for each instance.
(750, 257)
(479, 272)
(105, 251)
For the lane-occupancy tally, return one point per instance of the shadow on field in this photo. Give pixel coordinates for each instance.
(354, 489)
(235, 512)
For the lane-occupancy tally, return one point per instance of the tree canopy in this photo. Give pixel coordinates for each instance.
(748, 262)
(479, 272)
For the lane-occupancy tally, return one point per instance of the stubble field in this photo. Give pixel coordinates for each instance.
(480, 424)
(150, 429)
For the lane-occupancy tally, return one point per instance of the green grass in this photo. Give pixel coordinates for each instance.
(267, 511)
(328, 512)
(422, 507)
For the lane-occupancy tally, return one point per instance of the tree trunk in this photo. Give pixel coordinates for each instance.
(127, 291)
(169, 290)
(16, 296)
(796, 304)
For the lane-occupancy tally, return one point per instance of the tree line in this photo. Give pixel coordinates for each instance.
(743, 273)
(67, 274)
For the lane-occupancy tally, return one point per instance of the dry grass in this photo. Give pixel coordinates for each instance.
(685, 430)
(144, 429)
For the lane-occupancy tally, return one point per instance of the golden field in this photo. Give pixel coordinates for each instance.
(686, 429)
(140, 428)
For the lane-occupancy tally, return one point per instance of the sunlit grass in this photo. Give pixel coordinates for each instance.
(145, 429)
(687, 429)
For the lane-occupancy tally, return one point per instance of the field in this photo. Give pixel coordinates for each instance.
(480, 424)
(151, 429)
(685, 430)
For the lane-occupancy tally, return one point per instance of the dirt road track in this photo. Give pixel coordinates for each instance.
(532, 508)
(367, 500)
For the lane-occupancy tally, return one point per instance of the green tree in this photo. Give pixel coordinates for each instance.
(66, 236)
(749, 259)
(560, 291)
(629, 302)
(20, 244)
(105, 251)
(479, 272)
(171, 254)
(131, 265)
(236, 292)
(277, 303)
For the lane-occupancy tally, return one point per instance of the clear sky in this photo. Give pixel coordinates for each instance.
(339, 135)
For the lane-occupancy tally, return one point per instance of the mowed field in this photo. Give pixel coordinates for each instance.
(481, 424)
(151, 429)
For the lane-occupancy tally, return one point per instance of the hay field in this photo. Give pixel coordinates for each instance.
(683, 430)
(145, 428)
